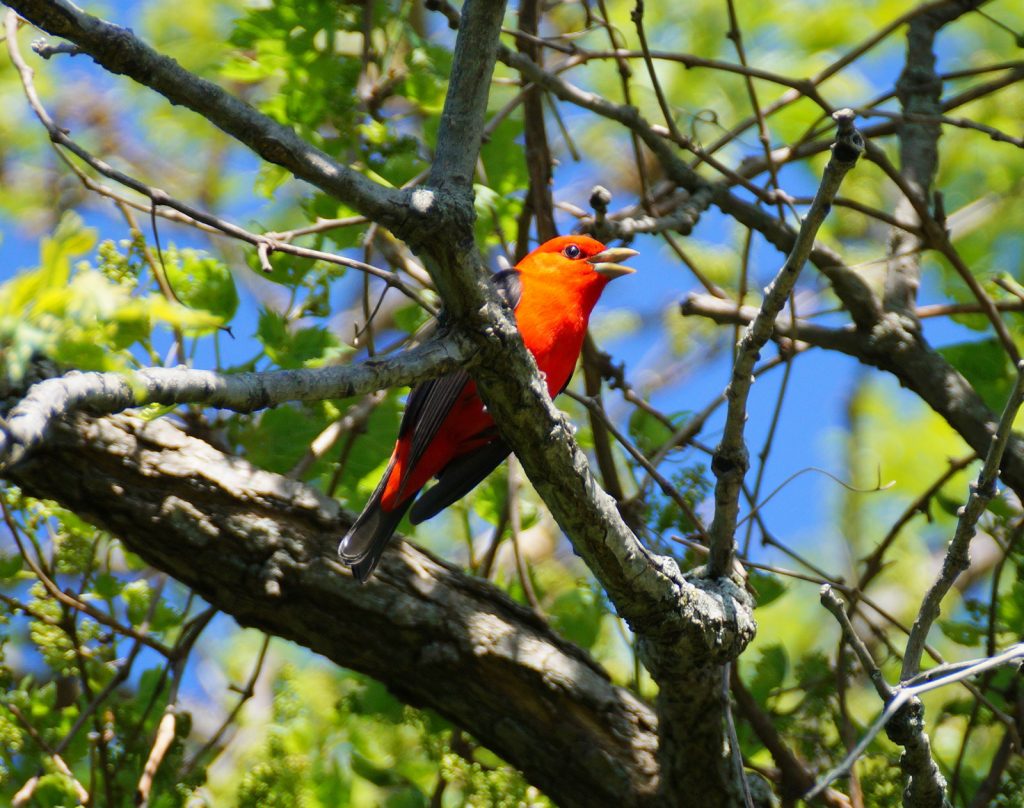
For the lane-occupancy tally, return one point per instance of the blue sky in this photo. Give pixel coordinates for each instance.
(819, 384)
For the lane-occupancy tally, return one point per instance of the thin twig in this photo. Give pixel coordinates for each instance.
(25, 793)
(903, 696)
(161, 199)
(731, 459)
(72, 602)
(830, 601)
(957, 558)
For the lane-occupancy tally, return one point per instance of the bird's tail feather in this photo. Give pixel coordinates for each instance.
(361, 548)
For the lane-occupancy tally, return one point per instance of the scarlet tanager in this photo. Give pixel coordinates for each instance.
(446, 431)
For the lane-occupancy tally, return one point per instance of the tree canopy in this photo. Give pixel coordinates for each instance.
(765, 549)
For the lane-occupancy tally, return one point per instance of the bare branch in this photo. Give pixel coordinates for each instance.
(462, 120)
(907, 695)
(121, 52)
(889, 345)
(162, 742)
(855, 293)
(730, 461)
(957, 558)
(160, 200)
(831, 601)
(27, 424)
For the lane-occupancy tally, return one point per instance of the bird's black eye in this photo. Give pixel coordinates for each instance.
(572, 251)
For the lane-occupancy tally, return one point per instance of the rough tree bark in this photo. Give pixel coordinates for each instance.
(687, 628)
(262, 548)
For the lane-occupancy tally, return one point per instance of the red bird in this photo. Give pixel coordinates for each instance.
(446, 431)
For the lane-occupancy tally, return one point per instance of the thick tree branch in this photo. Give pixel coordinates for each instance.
(918, 89)
(686, 628)
(47, 401)
(465, 105)
(262, 548)
(539, 203)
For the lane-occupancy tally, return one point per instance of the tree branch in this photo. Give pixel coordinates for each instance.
(262, 548)
(101, 393)
(462, 120)
(919, 90)
(730, 461)
(855, 293)
(889, 345)
(906, 696)
(957, 557)
(119, 51)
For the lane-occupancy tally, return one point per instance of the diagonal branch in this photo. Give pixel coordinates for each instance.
(118, 50)
(462, 120)
(163, 204)
(643, 587)
(907, 696)
(731, 460)
(261, 548)
(957, 557)
(852, 289)
(891, 346)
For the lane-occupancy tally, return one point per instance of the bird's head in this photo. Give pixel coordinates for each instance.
(579, 256)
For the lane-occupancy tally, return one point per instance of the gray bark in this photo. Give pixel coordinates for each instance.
(688, 628)
(262, 548)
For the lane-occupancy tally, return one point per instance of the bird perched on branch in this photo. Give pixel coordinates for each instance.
(446, 431)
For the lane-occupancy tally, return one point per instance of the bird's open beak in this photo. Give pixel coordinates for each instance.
(605, 263)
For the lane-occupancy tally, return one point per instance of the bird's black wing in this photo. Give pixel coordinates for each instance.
(509, 286)
(427, 407)
(465, 472)
(429, 403)
(458, 478)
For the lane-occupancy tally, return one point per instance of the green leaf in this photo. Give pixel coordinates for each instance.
(489, 497)
(202, 282)
(107, 586)
(1011, 608)
(769, 672)
(648, 433)
(962, 632)
(985, 365)
(294, 347)
(137, 596)
(10, 565)
(410, 318)
(767, 586)
(577, 614)
(279, 438)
